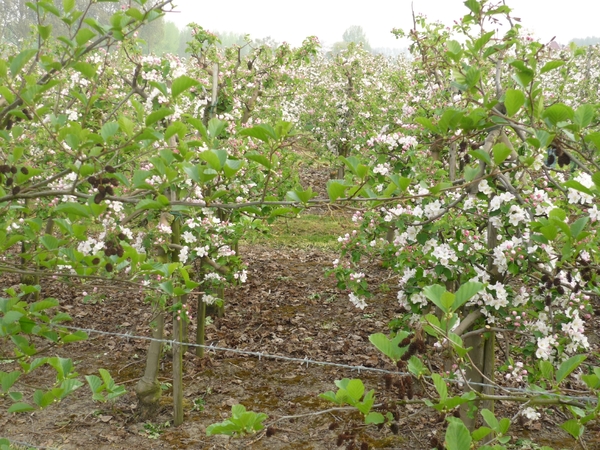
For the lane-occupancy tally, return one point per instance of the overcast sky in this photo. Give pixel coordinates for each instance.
(328, 19)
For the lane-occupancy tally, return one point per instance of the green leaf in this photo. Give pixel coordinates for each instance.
(557, 113)
(547, 370)
(84, 35)
(216, 127)
(389, 347)
(513, 100)
(355, 389)
(20, 407)
(578, 226)
(471, 173)
(434, 293)
(501, 152)
(109, 130)
(596, 180)
(232, 166)
(86, 69)
(176, 128)
(457, 435)
(158, 115)
(584, 115)
(551, 65)
(126, 125)
(149, 204)
(302, 196)
(74, 208)
(7, 379)
(569, 366)
(578, 187)
(594, 138)
(480, 433)
(215, 158)
(20, 60)
(416, 367)
(68, 5)
(490, 419)
(263, 132)
(45, 31)
(440, 387)
(335, 189)
(261, 159)
(74, 337)
(375, 418)
(95, 383)
(473, 5)
(43, 304)
(573, 427)
(481, 155)
(50, 242)
(465, 293)
(182, 84)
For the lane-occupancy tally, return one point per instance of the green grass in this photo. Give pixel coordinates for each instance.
(305, 231)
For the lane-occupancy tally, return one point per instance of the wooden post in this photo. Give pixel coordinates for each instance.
(177, 333)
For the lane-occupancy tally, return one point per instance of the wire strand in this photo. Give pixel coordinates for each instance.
(306, 360)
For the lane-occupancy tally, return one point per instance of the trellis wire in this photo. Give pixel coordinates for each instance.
(306, 360)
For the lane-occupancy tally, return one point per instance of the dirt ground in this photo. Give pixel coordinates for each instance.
(287, 307)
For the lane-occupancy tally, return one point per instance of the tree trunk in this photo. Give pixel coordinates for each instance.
(148, 390)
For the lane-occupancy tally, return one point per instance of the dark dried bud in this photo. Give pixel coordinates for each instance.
(548, 300)
(114, 182)
(549, 284)
(96, 261)
(560, 290)
(333, 425)
(409, 392)
(110, 169)
(564, 160)
(569, 277)
(577, 288)
(340, 439)
(122, 236)
(364, 445)
(388, 381)
(101, 189)
(4, 168)
(270, 431)
(109, 267)
(545, 278)
(421, 347)
(24, 170)
(13, 169)
(395, 428)
(401, 365)
(109, 190)
(16, 190)
(9, 181)
(556, 282)
(98, 198)
(120, 252)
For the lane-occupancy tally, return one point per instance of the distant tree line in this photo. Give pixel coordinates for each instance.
(590, 40)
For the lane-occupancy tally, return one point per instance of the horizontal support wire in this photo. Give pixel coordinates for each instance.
(309, 361)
